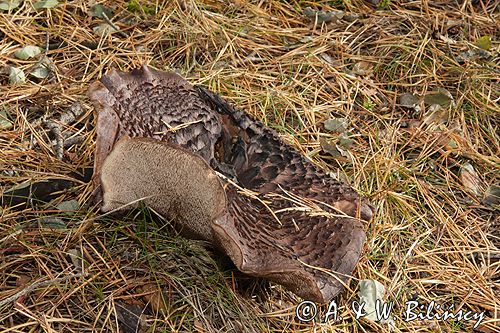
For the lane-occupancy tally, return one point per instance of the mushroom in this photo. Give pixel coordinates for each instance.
(284, 218)
(311, 255)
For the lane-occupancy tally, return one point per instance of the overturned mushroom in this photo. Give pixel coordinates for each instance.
(164, 106)
(299, 227)
(311, 255)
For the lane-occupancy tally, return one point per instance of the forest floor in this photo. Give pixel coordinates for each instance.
(398, 98)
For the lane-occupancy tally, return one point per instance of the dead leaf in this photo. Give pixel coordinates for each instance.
(371, 292)
(447, 39)
(129, 317)
(51, 223)
(9, 4)
(16, 75)
(329, 147)
(76, 258)
(46, 4)
(69, 206)
(470, 179)
(329, 60)
(27, 52)
(99, 10)
(104, 29)
(338, 125)
(440, 97)
(409, 100)
(155, 298)
(362, 68)
(321, 16)
(345, 140)
(5, 122)
(492, 196)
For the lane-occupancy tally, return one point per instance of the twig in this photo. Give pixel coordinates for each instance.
(36, 285)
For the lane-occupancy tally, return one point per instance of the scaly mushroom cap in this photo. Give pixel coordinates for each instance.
(311, 254)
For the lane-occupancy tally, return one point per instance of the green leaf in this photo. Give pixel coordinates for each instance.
(29, 51)
(5, 123)
(46, 4)
(484, 43)
(16, 75)
(9, 4)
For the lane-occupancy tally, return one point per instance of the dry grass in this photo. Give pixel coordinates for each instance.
(432, 236)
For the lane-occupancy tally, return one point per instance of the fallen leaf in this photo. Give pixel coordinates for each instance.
(321, 16)
(98, 10)
(329, 60)
(338, 125)
(16, 75)
(492, 196)
(345, 140)
(473, 54)
(409, 100)
(329, 147)
(46, 4)
(76, 257)
(104, 29)
(371, 291)
(306, 39)
(69, 206)
(51, 223)
(42, 68)
(155, 298)
(362, 68)
(129, 317)
(5, 123)
(40, 71)
(9, 4)
(29, 51)
(470, 178)
(447, 39)
(436, 114)
(440, 97)
(484, 43)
